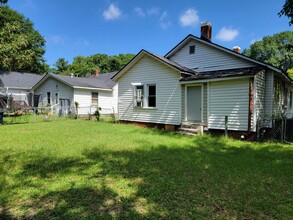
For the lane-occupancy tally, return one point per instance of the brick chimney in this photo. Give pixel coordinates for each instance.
(95, 72)
(206, 31)
(237, 49)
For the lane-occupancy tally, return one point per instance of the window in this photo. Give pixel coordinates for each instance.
(48, 98)
(192, 49)
(152, 95)
(139, 96)
(95, 98)
(56, 98)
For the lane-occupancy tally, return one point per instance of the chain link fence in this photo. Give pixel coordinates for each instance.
(275, 128)
(56, 113)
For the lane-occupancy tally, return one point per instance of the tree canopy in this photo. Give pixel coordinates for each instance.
(21, 46)
(83, 66)
(276, 50)
(287, 10)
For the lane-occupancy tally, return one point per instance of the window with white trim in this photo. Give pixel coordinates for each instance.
(56, 98)
(138, 96)
(95, 98)
(48, 98)
(152, 95)
(192, 49)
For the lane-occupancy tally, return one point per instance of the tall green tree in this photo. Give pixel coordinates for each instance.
(62, 66)
(275, 50)
(3, 2)
(21, 46)
(82, 66)
(287, 10)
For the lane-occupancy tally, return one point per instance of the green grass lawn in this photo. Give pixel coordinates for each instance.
(72, 169)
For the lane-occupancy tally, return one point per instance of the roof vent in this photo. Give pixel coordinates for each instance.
(237, 49)
(206, 31)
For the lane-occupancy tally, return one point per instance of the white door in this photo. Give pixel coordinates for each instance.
(194, 103)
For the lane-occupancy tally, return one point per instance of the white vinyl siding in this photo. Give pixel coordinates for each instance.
(207, 58)
(149, 71)
(229, 98)
(269, 93)
(17, 94)
(53, 86)
(259, 98)
(278, 94)
(84, 98)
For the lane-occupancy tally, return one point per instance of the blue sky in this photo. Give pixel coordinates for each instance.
(87, 27)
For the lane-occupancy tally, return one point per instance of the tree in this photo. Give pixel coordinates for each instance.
(287, 10)
(275, 50)
(3, 2)
(62, 66)
(21, 46)
(290, 73)
(82, 66)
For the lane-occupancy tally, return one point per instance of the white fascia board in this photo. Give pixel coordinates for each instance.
(91, 88)
(8, 87)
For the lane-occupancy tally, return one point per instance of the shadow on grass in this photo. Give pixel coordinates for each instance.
(207, 180)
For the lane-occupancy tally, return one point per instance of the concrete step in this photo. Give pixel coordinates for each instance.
(191, 130)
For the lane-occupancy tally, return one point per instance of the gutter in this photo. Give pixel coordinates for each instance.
(213, 80)
(91, 88)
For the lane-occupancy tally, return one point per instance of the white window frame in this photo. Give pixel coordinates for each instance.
(148, 95)
(96, 98)
(192, 46)
(145, 95)
(56, 97)
(49, 97)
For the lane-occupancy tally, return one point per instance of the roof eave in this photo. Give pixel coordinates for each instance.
(214, 79)
(92, 88)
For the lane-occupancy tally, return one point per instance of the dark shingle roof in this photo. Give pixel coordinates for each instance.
(99, 82)
(224, 73)
(19, 80)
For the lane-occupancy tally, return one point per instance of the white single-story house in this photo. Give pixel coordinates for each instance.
(18, 85)
(201, 82)
(61, 92)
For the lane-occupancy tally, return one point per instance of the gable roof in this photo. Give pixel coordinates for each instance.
(96, 83)
(17, 80)
(219, 47)
(164, 60)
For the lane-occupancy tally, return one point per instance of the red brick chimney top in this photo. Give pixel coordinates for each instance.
(237, 49)
(206, 31)
(96, 73)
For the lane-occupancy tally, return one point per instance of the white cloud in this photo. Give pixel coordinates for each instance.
(153, 11)
(139, 11)
(82, 43)
(112, 13)
(227, 34)
(164, 20)
(254, 40)
(29, 4)
(56, 39)
(189, 18)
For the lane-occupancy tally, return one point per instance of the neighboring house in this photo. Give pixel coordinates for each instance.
(201, 82)
(18, 85)
(61, 92)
